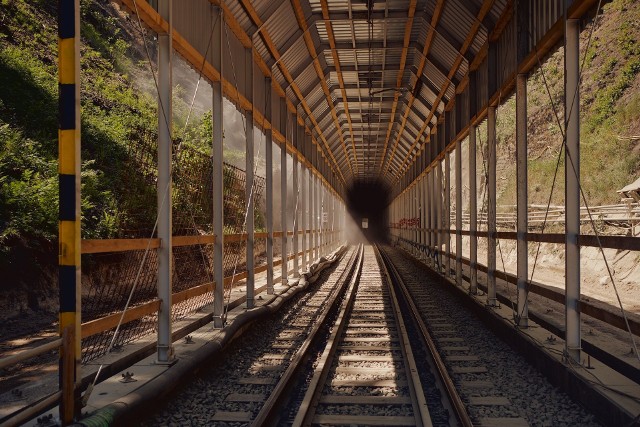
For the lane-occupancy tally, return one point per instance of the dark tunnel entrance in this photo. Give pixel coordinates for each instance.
(367, 202)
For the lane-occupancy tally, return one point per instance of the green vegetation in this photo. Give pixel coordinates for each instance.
(610, 107)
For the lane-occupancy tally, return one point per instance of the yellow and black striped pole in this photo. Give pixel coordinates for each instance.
(69, 199)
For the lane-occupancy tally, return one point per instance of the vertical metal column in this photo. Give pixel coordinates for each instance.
(269, 184)
(439, 227)
(310, 204)
(572, 188)
(473, 213)
(164, 189)
(314, 214)
(284, 115)
(447, 212)
(522, 317)
(249, 162)
(296, 213)
(458, 172)
(304, 183)
(69, 205)
(218, 195)
(491, 210)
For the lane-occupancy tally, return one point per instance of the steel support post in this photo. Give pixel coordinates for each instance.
(522, 317)
(439, 226)
(249, 168)
(427, 210)
(284, 116)
(311, 207)
(269, 183)
(164, 189)
(572, 188)
(217, 190)
(458, 175)
(447, 212)
(69, 207)
(433, 242)
(296, 216)
(491, 207)
(304, 183)
(473, 213)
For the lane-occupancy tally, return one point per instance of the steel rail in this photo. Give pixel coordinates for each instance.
(307, 410)
(314, 390)
(268, 412)
(455, 399)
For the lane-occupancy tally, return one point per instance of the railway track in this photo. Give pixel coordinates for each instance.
(486, 382)
(366, 374)
(378, 344)
(251, 397)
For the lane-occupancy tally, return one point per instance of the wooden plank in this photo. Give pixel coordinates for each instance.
(96, 246)
(454, 348)
(351, 332)
(368, 348)
(369, 383)
(489, 401)
(205, 239)
(365, 400)
(245, 397)
(108, 322)
(476, 384)
(469, 369)
(368, 358)
(463, 358)
(257, 381)
(503, 422)
(370, 339)
(368, 420)
(241, 417)
(356, 370)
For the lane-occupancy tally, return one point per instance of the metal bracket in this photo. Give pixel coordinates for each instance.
(127, 377)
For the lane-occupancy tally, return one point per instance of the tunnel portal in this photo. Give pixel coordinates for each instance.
(367, 202)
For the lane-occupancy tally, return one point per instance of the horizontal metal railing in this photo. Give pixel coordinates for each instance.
(111, 321)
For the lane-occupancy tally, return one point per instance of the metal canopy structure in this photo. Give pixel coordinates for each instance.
(371, 80)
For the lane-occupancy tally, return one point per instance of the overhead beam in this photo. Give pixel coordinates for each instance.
(484, 10)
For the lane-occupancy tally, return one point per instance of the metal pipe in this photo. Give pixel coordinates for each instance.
(69, 224)
(458, 173)
(572, 188)
(284, 117)
(249, 166)
(447, 213)
(304, 184)
(522, 317)
(473, 213)
(217, 189)
(296, 215)
(491, 210)
(269, 184)
(164, 188)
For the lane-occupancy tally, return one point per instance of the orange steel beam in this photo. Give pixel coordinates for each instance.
(302, 23)
(421, 65)
(273, 50)
(336, 61)
(486, 7)
(405, 49)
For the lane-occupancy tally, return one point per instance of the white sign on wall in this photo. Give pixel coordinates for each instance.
(365, 222)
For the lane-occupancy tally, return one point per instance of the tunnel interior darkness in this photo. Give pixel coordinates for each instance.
(369, 199)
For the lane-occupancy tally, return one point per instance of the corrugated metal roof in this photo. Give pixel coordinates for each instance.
(369, 55)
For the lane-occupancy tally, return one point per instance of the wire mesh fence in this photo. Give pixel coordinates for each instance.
(109, 278)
